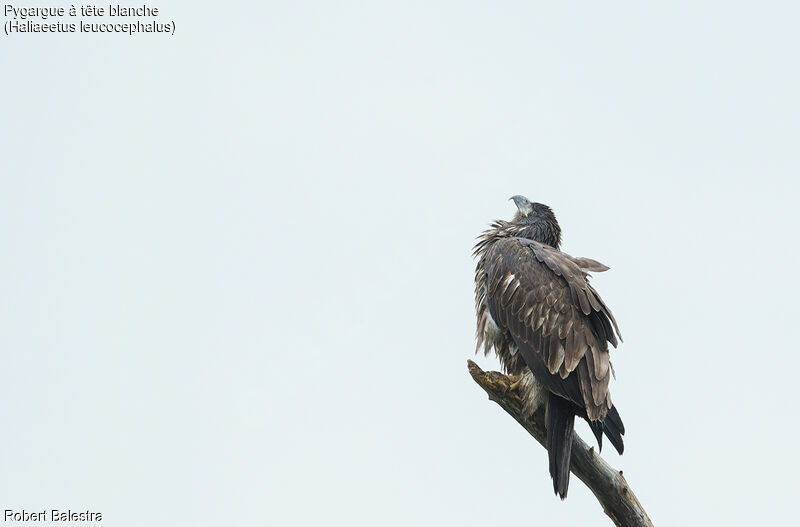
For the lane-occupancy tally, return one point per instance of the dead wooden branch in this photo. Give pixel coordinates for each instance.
(608, 485)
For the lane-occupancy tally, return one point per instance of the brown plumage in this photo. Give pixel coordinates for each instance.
(547, 324)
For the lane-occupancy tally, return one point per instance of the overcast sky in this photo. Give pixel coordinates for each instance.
(236, 284)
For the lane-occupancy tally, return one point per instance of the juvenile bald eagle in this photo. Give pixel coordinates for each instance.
(549, 328)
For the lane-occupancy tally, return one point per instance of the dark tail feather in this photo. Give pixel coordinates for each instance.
(614, 429)
(560, 422)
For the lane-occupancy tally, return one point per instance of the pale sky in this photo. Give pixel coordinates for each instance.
(237, 286)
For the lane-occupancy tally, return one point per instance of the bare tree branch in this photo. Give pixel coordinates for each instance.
(607, 484)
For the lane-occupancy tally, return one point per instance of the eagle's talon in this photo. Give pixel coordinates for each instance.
(513, 386)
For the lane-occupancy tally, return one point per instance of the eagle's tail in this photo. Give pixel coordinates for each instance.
(560, 423)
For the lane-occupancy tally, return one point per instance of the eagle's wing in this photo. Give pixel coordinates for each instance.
(560, 324)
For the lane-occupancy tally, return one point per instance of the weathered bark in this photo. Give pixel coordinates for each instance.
(608, 485)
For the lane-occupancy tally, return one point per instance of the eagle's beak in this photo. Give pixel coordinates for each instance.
(523, 205)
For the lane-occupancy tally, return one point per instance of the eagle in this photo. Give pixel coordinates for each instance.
(550, 329)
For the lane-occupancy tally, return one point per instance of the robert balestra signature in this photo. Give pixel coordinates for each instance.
(53, 515)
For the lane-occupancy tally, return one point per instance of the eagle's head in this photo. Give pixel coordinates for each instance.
(536, 221)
